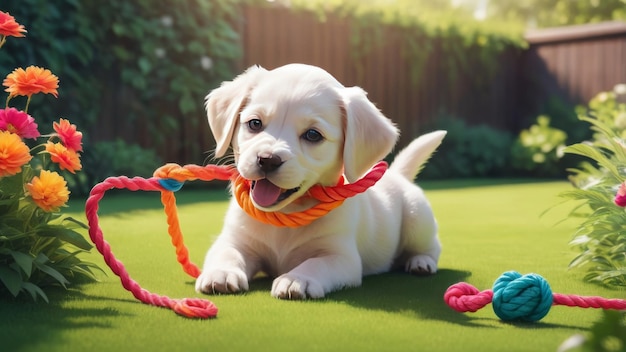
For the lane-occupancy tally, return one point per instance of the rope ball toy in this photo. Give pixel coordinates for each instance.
(169, 179)
(517, 297)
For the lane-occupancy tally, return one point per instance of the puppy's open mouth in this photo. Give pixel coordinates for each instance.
(265, 193)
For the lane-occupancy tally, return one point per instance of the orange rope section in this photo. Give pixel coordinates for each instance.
(329, 197)
(168, 179)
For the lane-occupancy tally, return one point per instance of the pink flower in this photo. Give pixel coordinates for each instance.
(8, 26)
(18, 122)
(70, 137)
(620, 197)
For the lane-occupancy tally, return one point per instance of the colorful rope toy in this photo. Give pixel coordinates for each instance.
(517, 297)
(169, 179)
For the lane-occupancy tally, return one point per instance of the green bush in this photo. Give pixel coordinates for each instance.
(538, 150)
(468, 151)
(601, 236)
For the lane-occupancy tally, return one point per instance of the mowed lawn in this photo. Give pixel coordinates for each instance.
(487, 228)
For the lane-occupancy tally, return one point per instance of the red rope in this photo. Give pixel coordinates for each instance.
(192, 308)
(588, 301)
(464, 297)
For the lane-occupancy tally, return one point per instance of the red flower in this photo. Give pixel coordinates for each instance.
(8, 26)
(31, 81)
(18, 122)
(71, 138)
(620, 197)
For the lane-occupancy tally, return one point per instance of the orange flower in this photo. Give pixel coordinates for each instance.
(13, 153)
(8, 26)
(66, 158)
(31, 81)
(49, 190)
(71, 138)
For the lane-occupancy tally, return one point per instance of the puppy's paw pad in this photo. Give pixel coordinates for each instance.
(296, 288)
(222, 281)
(421, 265)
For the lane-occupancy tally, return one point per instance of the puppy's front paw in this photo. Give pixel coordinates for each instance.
(421, 265)
(294, 287)
(222, 281)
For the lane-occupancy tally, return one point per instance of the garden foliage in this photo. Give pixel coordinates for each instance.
(468, 151)
(538, 149)
(39, 246)
(601, 236)
(139, 64)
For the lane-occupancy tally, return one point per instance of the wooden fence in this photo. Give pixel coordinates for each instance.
(572, 64)
(275, 36)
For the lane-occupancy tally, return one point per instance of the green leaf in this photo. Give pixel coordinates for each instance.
(591, 152)
(11, 280)
(66, 235)
(53, 273)
(77, 222)
(144, 65)
(24, 261)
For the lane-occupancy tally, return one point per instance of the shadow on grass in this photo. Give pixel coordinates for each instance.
(399, 292)
(25, 322)
(420, 296)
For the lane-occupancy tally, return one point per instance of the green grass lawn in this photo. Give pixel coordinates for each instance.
(486, 229)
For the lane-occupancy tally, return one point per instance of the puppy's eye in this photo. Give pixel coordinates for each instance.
(312, 136)
(255, 125)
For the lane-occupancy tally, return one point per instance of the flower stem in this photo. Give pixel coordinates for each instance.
(27, 103)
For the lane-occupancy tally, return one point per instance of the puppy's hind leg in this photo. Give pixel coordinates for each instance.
(421, 246)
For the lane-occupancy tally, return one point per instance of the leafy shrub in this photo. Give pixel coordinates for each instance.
(538, 149)
(39, 245)
(138, 59)
(601, 237)
(468, 151)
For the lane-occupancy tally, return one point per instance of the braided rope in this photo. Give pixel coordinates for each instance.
(168, 179)
(517, 297)
(329, 198)
(193, 308)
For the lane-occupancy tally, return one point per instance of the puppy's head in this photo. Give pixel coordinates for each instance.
(293, 127)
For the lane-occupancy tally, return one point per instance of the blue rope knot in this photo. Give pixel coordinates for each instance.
(170, 184)
(525, 298)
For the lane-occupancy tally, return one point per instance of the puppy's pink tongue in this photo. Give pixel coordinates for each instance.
(265, 193)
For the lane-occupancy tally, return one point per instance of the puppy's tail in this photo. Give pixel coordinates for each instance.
(411, 159)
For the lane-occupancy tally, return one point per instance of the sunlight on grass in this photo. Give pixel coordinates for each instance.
(486, 230)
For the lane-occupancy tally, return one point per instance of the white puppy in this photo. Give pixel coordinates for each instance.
(294, 127)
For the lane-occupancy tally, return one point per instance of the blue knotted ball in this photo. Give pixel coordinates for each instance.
(522, 298)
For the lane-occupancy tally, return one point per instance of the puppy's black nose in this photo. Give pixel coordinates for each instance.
(269, 164)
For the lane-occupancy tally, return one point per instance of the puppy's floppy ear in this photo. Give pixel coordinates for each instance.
(369, 135)
(224, 104)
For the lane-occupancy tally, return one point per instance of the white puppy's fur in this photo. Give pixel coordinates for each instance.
(312, 129)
